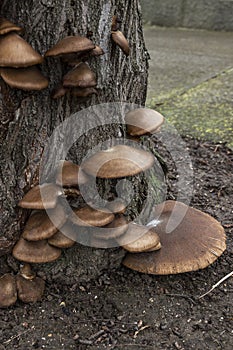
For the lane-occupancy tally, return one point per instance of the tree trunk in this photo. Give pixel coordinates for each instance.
(29, 118)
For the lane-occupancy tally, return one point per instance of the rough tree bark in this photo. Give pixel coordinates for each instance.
(28, 119)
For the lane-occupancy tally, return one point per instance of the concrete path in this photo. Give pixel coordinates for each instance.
(191, 80)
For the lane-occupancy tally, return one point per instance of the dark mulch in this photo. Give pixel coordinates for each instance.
(128, 310)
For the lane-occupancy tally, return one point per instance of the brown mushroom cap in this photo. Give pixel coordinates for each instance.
(59, 91)
(7, 26)
(43, 225)
(30, 291)
(8, 292)
(35, 252)
(139, 238)
(119, 38)
(116, 206)
(70, 174)
(70, 44)
(83, 92)
(41, 197)
(29, 78)
(88, 216)
(141, 121)
(115, 229)
(16, 52)
(60, 240)
(118, 161)
(195, 242)
(81, 76)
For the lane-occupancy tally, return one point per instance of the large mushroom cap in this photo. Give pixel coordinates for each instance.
(16, 52)
(35, 252)
(141, 121)
(29, 78)
(7, 26)
(43, 225)
(88, 216)
(70, 44)
(41, 197)
(118, 161)
(196, 241)
(8, 292)
(81, 76)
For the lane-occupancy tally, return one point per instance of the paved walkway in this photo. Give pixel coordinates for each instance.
(191, 80)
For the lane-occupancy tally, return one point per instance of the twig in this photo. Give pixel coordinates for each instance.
(217, 284)
(18, 335)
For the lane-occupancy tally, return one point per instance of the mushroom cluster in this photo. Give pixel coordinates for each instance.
(80, 80)
(18, 60)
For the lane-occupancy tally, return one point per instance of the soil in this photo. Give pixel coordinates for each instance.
(124, 309)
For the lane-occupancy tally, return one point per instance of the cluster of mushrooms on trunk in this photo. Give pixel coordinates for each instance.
(149, 248)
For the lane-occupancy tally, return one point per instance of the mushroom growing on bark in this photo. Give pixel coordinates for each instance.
(118, 37)
(7, 26)
(190, 240)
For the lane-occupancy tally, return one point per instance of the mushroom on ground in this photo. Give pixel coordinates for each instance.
(118, 161)
(30, 290)
(8, 292)
(142, 121)
(35, 252)
(195, 241)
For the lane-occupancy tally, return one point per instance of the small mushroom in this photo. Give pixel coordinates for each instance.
(80, 76)
(17, 53)
(41, 197)
(139, 238)
(61, 240)
(70, 174)
(7, 26)
(118, 161)
(88, 216)
(83, 92)
(142, 121)
(29, 78)
(59, 91)
(35, 252)
(117, 206)
(30, 290)
(8, 292)
(115, 229)
(70, 44)
(119, 38)
(43, 225)
(195, 242)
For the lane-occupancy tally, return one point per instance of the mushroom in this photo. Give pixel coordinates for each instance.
(195, 241)
(43, 225)
(119, 38)
(29, 78)
(88, 216)
(116, 206)
(59, 91)
(118, 161)
(115, 229)
(142, 121)
(17, 53)
(80, 76)
(7, 26)
(35, 252)
(70, 174)
(8, 292)
(70, 44)
(83, 92)
(61, 240)
(30, 290)
(41, 197)
(139, 238)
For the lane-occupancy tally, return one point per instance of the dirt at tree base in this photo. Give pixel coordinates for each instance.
(123, 309)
